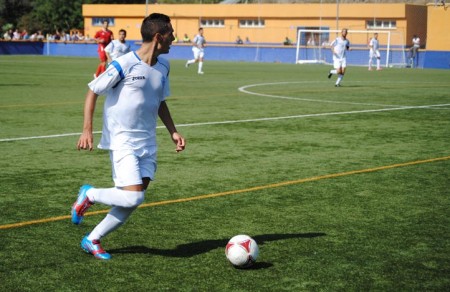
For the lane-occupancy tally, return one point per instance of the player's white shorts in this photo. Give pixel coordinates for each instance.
(198, 53)
(130, 166)
(339, 62)
(374, 54)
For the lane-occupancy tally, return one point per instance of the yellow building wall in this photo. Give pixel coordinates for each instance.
(281, 20)
(438, 36)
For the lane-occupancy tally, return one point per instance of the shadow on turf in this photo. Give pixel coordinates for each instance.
(19, 84)
(199, 247)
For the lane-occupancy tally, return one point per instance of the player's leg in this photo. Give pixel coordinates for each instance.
(196, 53)
(118, 215)
(102, 66)
(378, 60)
(336, 66)
(370, 60)
(128, 169)
(339, 79)
(341, 72)
(125, 171)
(115, 218)
(200, 62)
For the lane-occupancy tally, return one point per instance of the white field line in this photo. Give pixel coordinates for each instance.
(244, 90)
(248, 120)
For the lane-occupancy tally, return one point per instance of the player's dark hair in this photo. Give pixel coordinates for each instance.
(153, 24)
(124, 31)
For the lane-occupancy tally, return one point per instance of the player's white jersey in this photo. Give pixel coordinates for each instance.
(340, 47)
(374, 44)
(134, 91)
(116, 49)
(199, 41)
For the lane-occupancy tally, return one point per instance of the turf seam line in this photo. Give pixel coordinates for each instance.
(233, 192)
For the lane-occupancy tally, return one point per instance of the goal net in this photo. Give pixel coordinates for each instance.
(313, 47)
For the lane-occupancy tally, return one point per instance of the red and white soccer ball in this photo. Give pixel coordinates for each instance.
(242, 251)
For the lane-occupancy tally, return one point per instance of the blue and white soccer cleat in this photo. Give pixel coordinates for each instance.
(81, 205)
(93, 247)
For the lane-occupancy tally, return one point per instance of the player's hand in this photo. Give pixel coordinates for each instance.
(179, 141)
(86, 141)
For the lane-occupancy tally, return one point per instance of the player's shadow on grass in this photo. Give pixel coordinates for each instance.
(199, 247)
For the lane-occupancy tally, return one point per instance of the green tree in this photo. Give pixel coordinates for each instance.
(11, 11)
(52, 15)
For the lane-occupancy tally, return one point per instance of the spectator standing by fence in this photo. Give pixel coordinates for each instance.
(415, 51)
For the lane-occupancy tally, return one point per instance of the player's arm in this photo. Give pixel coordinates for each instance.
(108, 51)
(166, 118)
(86, 140)
(194, 42)
(97, 38)
(333, 43)
(108, 57)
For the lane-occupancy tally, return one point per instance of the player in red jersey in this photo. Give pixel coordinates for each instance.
(103, 37)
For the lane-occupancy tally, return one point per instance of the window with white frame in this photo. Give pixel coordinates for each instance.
(381, 24)
(251, 23)
(212, 23)
(98, 21)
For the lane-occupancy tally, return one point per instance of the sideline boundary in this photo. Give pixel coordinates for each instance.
(234, 192)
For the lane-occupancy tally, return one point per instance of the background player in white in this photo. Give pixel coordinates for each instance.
(117, 48)
(339, 47)
(136, 86)
(198, 46)
(374, 51)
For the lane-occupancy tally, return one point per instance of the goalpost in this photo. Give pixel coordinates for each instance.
(313, 47)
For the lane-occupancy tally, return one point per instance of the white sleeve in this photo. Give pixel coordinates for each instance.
(108, 79)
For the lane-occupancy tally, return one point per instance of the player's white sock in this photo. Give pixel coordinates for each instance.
(200, 66)
(339, 79)
(370, 63)
(191, 61)
(378, 63)
(334, 71)
(115, 218)
(116, 197)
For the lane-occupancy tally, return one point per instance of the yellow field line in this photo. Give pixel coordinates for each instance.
(258, 188)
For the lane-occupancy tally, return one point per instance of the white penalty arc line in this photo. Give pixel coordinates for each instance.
(244, 88)
(245, 121)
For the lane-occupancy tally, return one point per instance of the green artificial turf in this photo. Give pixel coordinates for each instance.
(344, 189)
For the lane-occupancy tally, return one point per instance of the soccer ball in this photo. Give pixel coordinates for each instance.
(242, 251)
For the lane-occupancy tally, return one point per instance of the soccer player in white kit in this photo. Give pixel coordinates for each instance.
(198, 48)
(117, 48)
(374, 51)
(136, 86)
(339, 47)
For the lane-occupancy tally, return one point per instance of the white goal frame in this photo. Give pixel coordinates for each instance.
(320, 53)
